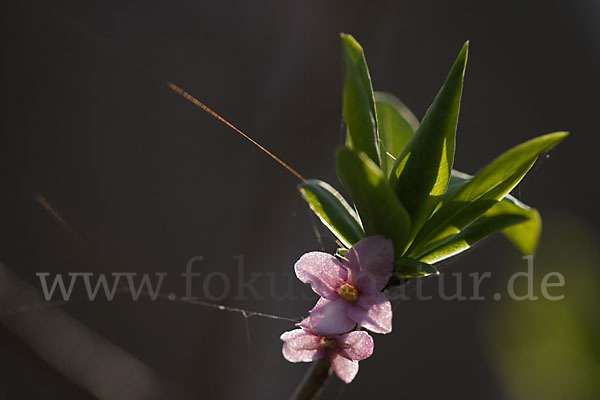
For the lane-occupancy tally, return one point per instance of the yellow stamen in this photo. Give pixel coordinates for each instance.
(348, 293)
(330, 343)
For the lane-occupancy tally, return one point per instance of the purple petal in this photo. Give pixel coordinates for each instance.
(373, 312)
(329, 317)
(322, 271)
(294, 355)
(344, 368)
(305, 323)
(301, 346)
(301, 339)
(371, 263)
(356, 345)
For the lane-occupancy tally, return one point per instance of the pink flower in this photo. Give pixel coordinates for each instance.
(350, 290)
(342, 351)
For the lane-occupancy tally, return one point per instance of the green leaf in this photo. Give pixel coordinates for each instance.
(397, 124)
(408, 268)
(341, 252)
(457, 180)
(332, 210)
(359, 104)
(482, 192)
(380, 211)
(525, 236)
(478, 230)
(421, 173)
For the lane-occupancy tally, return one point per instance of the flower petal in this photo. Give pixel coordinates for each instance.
(371, 263)
(301, 339)
(301, 345)
(356, 345)
(329, 317)
(305, 323)
(373, 313)
(322, 271)
(344, 368)
(295, 355)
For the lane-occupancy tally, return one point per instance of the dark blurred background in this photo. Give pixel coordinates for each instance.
(146, 181)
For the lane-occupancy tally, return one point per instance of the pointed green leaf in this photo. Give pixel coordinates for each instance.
(525, 236)
(478, 230)
(341, 252)
(380, 211)
(397, 124)
(359, 104)
(457, 180)
(332, 210)
(482, 192)
(408, 268)
(422, 171)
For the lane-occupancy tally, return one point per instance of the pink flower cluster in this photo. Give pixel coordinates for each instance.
(351, 299)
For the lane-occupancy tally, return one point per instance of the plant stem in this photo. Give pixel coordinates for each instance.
(314, 381)
(317, 376)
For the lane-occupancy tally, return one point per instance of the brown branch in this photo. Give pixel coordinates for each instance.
(314, 381)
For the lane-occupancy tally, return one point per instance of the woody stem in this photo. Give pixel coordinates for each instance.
(314, 381)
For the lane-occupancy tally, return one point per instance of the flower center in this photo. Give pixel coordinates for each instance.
(348, 293)
(329, 343)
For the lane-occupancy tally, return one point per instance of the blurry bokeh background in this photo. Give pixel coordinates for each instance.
(147, 181)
